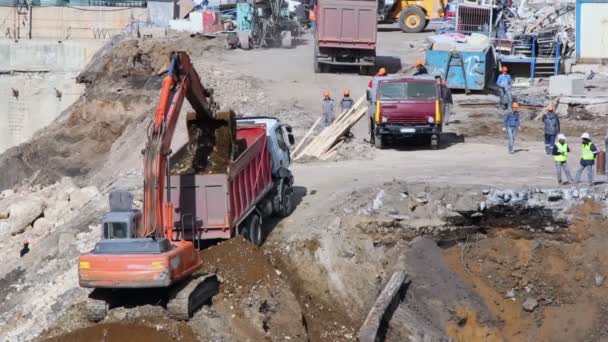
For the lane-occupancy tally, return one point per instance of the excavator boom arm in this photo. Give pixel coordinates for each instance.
(182, 81)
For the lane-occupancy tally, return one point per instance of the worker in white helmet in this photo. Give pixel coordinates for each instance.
(560, 156)
(588, 154)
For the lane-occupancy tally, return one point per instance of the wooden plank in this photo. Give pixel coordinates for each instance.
(376, 323)
(295, 149)
(332, 151)
(323, 142)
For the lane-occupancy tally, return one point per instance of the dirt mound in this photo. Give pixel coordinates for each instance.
(239, 265)
(122, 84)
(540, 287)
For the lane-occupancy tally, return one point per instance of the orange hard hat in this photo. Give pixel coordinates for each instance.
(505, 68)
(346, 92)
(515, 105)
(326, 93)
(550, 107)
(382, 71)
(443, 83)
(418, 62)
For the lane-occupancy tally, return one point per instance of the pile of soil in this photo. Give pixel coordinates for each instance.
(561, 274)
(239, 265)
(211, 145)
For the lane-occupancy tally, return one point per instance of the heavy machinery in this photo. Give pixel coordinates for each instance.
(412, 15)
(265, 24)
(150, 256)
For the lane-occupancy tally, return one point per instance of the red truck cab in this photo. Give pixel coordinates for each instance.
(405, 107)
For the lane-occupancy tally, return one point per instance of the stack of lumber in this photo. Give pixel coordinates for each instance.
(325, 145)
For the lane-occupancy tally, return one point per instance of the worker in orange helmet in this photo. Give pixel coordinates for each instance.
(327, 109)
(381, 73)
(25, 249)
(312, 17)
(346, 102)
(552, 128)
(420, 69)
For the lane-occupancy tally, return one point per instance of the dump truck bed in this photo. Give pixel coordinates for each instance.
(209, 206)
(347, 24)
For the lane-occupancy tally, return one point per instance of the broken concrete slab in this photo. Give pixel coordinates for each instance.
(566, 85)
(23, 212)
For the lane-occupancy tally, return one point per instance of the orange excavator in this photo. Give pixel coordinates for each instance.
(139, 249)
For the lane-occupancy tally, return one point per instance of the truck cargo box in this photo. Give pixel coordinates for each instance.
(209, 206)
(347, 24)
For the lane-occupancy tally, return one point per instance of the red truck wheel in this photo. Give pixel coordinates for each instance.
(287, 198)
(254, 228)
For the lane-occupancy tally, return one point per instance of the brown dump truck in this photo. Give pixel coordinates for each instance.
(345, 34)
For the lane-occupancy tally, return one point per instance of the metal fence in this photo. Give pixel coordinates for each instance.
(78, 3)
(474, 18)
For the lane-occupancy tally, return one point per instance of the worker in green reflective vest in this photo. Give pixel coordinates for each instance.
(588, 153)
(560, 155)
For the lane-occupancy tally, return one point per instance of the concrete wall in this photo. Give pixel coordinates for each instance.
(161, 12)
(44, 55)
(64, 23)
(38, 83)
(592, 31)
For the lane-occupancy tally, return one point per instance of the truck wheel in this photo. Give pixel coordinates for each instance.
(434, 143)
(379, 142)
(317, 65)
(254, 227)
(287, 201)
(412, 19)
(372, 136)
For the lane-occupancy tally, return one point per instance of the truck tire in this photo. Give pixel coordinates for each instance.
(254, 228)
(434, 142)
(286, 201)
(315, 61)
(379, 142)
(412, 19)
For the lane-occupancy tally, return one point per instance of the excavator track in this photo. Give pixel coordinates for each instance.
(187, 297)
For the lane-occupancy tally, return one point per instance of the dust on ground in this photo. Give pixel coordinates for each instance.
(561, 276)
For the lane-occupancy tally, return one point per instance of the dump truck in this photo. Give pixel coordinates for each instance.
(405, 107)
(224, 181)
(345, 35)
(412, 15)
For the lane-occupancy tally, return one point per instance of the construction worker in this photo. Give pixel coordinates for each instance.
(504, 83)
(346, 102)
(446, 95)
(560, 155)
(327, 109)
(420, 69)
(512, 125)
(588, 153)
(312, 17)
(381, 72)
(551, 121)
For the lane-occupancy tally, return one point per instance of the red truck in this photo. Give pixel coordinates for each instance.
(346, 34)
(258, 183)
(405, 107)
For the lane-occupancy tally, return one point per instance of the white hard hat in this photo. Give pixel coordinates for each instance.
(585, 136)
(561, 137)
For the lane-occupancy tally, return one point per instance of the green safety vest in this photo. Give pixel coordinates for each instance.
(562, 149)
(587, 153)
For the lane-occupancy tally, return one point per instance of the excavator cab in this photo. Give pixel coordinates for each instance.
(121, 222)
